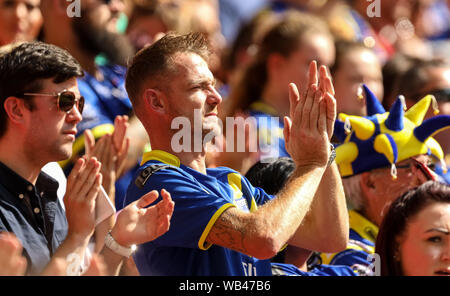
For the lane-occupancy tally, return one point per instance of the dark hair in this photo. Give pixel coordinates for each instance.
(247, 38)
(401, 211)
(413, 82)
(23, 68)
(271, 174)
(153, 63)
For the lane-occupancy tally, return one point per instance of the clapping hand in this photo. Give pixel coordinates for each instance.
(137, 223)
(83, 185)
(111, 151)
(309, 126)
(12, 262)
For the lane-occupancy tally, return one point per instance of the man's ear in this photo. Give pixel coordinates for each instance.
(154, 99)
(14, 108)
(367, 183)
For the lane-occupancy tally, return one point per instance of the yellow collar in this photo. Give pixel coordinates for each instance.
(161, 156)
(264, 108)
(362, 226)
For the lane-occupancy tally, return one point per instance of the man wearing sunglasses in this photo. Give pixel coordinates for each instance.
(86, 37)
(430, 77)
(40, 107)
(382, 156)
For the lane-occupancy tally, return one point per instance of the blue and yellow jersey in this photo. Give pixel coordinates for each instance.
(270, 131)
(363, 234)
(104, 100)
(283, 269)
(199, 199)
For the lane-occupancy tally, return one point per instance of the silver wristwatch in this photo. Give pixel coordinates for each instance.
(332, 155)
(111, 243)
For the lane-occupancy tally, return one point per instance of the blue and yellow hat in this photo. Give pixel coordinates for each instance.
(382, 139)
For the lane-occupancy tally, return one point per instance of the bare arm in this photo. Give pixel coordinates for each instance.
(326, 226)
(111, 151)
(263, 233)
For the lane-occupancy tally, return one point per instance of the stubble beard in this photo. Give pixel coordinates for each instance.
(96, 40)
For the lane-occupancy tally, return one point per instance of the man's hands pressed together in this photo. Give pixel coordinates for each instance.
(309, 126)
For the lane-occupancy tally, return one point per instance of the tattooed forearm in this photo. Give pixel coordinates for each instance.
(229, 234)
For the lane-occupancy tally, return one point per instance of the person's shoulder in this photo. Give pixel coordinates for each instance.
(220, 171)
(86, 90)
(283, 269)
(333, 270)
(113, 69)
(154, 168)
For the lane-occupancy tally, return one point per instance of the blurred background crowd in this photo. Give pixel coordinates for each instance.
(394, 47)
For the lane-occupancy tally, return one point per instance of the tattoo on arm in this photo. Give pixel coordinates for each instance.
(229, 232)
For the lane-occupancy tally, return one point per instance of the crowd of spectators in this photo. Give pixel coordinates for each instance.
(90, 91)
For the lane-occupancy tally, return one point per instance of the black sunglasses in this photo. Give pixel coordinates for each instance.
(426, 169)
(66, 100)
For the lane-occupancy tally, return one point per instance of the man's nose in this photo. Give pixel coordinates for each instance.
(116, 6)
(214, 97)
(74, 115)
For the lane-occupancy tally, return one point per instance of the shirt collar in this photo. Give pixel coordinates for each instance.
(18, 186)
(362, 226)
(161, 156)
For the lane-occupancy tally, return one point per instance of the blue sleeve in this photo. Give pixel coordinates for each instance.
(93, 113)
(195, 212)
(357, 260)
(333, 270)
(260, 196)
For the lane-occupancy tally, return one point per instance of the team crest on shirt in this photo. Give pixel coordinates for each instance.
(241, 203)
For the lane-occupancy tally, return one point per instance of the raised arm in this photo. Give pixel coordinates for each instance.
(262, 233)
(111, 151)
(326, 225)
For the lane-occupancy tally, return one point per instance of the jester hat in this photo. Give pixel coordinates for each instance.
(382, 139)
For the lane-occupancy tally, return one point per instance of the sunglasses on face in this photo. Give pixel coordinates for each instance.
(65, 100)
(425, 169)
(441, 95)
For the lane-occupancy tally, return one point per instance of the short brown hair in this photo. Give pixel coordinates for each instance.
(154, 63)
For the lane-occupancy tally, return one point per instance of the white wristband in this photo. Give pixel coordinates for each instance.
(111, 243)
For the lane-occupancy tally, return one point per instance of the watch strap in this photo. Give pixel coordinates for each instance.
(111, 243)
(332, 155)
